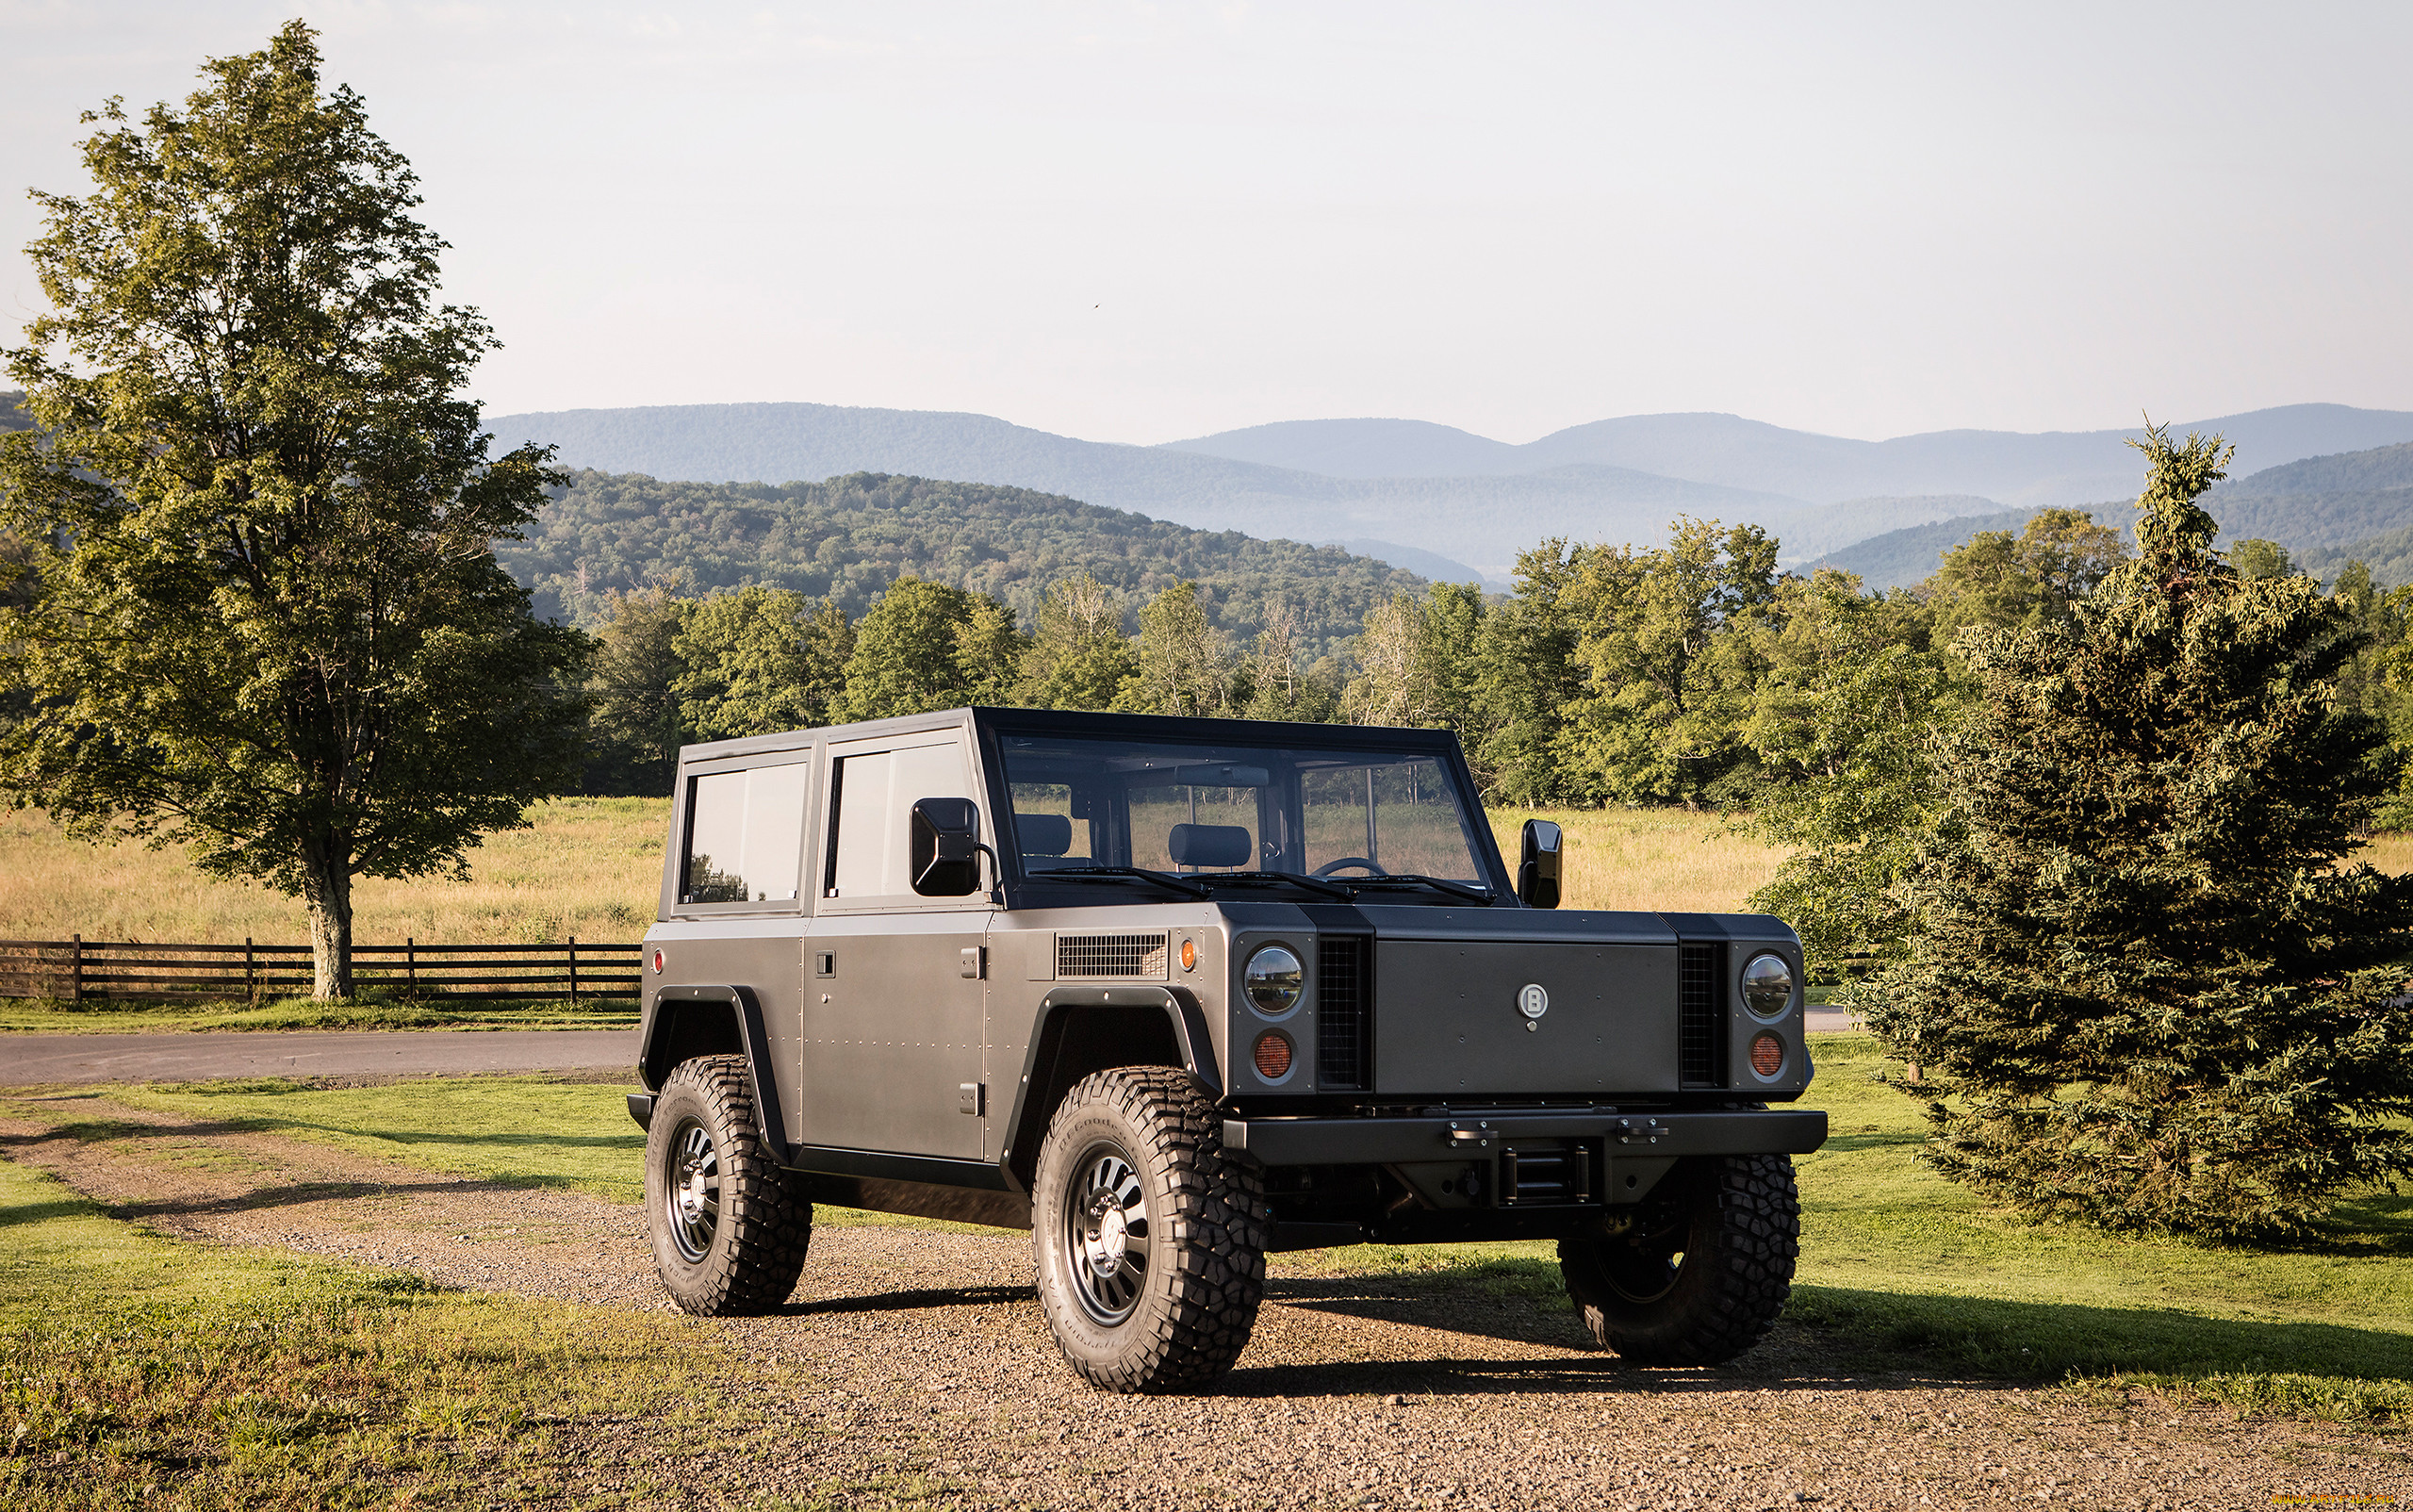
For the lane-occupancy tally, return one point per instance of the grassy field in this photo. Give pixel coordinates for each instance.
(586, 867)
(1899, 1268)
(137, 1372)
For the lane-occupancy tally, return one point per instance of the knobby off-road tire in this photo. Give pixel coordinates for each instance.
(1703, 1273)
(1149, 1238)
(730, 1226)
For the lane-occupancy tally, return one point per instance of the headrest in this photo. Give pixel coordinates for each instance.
(1210, 845)
(1042, 834)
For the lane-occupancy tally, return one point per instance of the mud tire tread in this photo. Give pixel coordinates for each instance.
(765, 1226)
(1200, 1303)
(1746, 1239)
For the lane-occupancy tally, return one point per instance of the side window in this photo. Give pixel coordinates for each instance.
(745, 835)
(871, 850)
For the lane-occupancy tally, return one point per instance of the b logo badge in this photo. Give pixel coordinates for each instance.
(1532, 1001)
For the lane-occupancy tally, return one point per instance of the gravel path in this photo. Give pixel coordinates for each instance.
(913, 1367)
(40, 1059)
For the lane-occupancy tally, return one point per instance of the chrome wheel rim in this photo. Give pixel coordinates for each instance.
(1105, 1239)
(691, 1189)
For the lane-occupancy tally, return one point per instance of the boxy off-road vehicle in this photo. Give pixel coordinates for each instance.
(1172, 993)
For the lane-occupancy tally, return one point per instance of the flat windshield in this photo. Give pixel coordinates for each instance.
(1200, 810)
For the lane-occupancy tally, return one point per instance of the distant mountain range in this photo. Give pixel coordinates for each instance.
(1468, 500)
(2326, 511)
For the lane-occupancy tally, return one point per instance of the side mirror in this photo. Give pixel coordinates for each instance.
(947, 847)
(1537, 864)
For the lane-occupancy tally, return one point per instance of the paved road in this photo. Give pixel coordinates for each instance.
(26, 1059)
(1829, 1021)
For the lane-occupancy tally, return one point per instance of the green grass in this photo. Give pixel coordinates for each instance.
(371, 1009)
(138, 1372)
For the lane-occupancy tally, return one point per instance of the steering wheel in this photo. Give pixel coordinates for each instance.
(1371, 868)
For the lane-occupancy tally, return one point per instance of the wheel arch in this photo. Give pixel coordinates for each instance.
(1082, 1030)
(706, 1019)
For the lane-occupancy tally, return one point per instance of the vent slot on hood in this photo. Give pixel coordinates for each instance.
(1700, 1039)
(1344, 1014)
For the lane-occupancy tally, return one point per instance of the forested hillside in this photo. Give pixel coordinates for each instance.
(11, 418)
(2381, 467)
(850, 537)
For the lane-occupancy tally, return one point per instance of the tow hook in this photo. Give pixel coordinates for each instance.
(1461, 1136)
(1645, 1130)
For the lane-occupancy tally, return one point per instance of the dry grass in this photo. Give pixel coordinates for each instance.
(588, 867)
(1650, 858)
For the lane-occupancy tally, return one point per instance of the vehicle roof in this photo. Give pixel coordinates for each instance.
(1076, 722)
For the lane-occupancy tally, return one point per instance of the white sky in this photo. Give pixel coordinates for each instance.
(1139, 223)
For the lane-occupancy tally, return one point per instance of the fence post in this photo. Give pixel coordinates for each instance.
(573, 971)
(251, 973)
(410, 964)
(76, 984)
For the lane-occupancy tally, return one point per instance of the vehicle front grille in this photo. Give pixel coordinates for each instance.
(1110, 955)
(1701, 1026)
(1344, 1014)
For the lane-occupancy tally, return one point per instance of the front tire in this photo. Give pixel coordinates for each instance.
(731, 1227)
(1149, 1238)
(1702, 1274)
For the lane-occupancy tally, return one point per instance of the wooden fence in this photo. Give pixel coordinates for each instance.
(77, 968)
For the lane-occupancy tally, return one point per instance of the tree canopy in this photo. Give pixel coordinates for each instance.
(267, 619)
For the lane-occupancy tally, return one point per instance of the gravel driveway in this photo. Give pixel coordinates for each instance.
(927, 1374)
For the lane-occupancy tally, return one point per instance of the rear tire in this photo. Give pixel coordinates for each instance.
(730, 1228)
(1149, 1238)
(1703, 1273)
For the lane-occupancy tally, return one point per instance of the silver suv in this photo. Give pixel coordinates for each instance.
(1173, 994)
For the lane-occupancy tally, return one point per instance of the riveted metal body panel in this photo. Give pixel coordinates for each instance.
(892, 1033)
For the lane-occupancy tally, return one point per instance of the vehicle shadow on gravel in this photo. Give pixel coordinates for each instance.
(996, 1297)
(296, 1194)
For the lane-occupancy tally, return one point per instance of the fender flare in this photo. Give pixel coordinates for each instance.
(1182, 1015)
(755, 1043)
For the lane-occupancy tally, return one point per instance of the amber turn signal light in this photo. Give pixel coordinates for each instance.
(1189, 955)
(1767, 1055)
(1272, 1055)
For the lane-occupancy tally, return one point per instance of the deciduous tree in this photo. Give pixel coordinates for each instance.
(268, 622)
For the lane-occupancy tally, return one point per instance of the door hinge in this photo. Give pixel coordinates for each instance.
(975, 961)
(967, 1098)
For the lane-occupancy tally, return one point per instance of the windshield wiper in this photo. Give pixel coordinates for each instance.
(1313, 884)
(1479, 895)
(1115, 874)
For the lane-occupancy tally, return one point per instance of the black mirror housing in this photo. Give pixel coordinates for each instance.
(1538, 863)
(947, 847)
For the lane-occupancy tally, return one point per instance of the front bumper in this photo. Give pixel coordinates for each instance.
(1411, 1140)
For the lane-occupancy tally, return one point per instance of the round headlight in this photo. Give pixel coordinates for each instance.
(1768, 986)
(1273, 979)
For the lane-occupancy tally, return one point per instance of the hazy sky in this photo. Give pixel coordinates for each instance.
(1140, 222)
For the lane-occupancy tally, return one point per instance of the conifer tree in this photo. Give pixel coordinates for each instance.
(2149, 992)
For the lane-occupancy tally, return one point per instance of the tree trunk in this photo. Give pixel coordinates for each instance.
(326, 886)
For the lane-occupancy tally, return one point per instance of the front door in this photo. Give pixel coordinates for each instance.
(892, 981)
